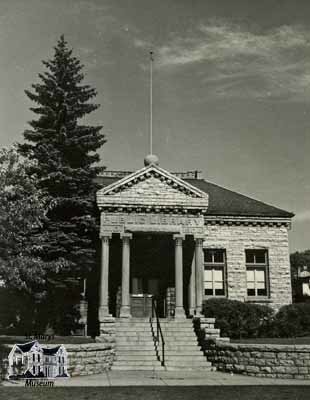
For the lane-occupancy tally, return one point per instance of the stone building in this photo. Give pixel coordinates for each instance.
(182, 240)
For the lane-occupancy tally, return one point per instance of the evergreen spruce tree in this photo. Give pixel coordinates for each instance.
(65, 153)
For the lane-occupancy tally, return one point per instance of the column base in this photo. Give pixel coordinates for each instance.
(125, 312)
(103, 313)
(179, 313)
(192, 312)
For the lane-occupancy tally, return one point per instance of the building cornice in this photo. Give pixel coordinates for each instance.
(247, 221)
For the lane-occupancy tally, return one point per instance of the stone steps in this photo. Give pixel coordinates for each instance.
(123, 328)
(157, 367)
(176, 334)
(193, 352)
(127, 347)
(136, 363)
(136, 350)
(136, 357)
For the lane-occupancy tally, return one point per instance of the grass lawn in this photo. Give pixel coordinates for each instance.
(298, 340)
(56, 340)
(158, 393)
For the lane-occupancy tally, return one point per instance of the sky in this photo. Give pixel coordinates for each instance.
(231, 86)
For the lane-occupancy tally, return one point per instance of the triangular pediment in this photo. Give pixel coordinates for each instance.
(152, 187)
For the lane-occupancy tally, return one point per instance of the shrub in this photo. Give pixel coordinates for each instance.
(237, 319)
(292, 320)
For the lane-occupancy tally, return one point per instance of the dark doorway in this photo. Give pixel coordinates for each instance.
(152, 266)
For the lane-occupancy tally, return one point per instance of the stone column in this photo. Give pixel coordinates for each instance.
(179, 310)
(199, 273)
(104, 279)
(125, 306)
(192, 288)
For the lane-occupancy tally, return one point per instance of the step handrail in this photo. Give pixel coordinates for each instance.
(159, 338)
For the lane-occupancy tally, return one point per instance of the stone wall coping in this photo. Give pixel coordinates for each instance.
(301, 348)
(75, 347)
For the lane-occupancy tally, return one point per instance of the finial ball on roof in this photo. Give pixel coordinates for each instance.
(151, 159)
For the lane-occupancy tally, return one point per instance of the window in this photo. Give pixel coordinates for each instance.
(257, 273)
(39, 357)
(214, 272)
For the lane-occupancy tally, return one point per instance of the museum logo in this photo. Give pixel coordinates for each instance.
(37, 364)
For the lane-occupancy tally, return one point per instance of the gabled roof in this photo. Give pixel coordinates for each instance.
(224, 202)
(50, 351)
(152, 187)
(25, 347)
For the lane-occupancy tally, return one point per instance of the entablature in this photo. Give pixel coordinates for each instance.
(247, 221)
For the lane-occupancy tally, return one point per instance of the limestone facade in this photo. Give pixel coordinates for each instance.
(235, 239)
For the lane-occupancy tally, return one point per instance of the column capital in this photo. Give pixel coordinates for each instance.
(126, 235)
(199, 240)
(105, 236)
(178, 238)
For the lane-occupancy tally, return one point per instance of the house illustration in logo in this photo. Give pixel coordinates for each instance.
(32, 360)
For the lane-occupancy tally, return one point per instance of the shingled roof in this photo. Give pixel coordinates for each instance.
(223, 201)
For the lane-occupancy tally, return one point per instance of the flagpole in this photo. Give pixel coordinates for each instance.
(151, 102)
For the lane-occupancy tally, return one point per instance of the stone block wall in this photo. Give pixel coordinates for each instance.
(88, 359)
(235, 239)
(273, 361)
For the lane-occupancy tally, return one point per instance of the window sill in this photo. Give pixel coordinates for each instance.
(215, 297)
(258, 299)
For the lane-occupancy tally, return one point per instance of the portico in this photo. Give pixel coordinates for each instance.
(152, 202)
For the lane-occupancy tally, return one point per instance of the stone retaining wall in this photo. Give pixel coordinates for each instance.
(265, 360)
(88, 359)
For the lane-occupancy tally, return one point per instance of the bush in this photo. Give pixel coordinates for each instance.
(237, 319)
(292, 320)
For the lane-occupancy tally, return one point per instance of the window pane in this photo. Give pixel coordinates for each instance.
(260, 275)
(250, 275)
(208, 275)
(208, 256)
(209, 292)
(251, 292)
(219, 256)
(208, 285)
(260, 256)
(218, 274)
(260, 285)
(249, 256)
(250, 285)
(218, 285)
(219, 292)
(262, 292)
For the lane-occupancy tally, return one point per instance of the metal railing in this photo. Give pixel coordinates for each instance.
(157, 333)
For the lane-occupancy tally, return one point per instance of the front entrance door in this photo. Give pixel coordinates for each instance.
(143, 290)
(141, 305)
